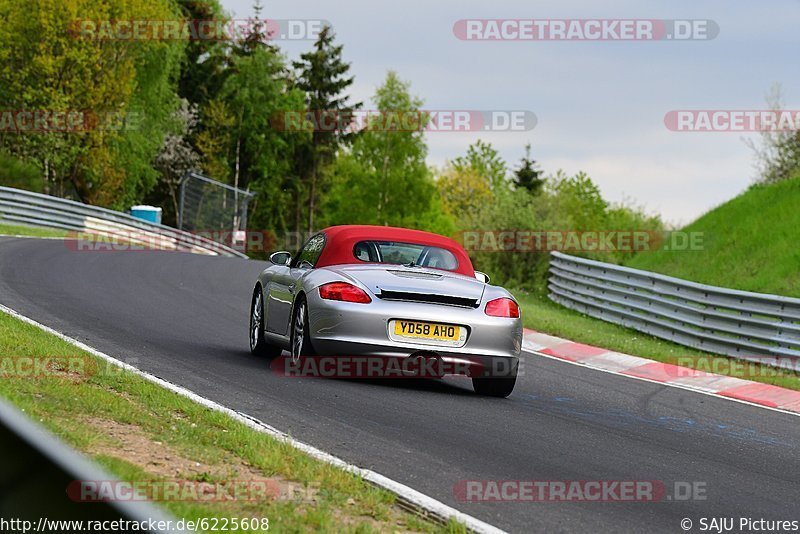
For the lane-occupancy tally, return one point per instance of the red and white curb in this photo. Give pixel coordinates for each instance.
(756, 393)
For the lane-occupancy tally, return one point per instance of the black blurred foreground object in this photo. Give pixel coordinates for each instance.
(35, 471)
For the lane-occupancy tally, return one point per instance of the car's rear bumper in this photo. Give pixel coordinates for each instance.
(349, 329)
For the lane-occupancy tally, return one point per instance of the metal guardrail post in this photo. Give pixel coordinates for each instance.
(36, 471)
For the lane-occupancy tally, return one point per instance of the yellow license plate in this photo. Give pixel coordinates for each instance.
(417, 329)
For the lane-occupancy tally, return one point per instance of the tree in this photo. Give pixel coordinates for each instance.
(528, 175)
(106, 78)
(258, 36)
(19, 174)
(214, 140)
(778, 157)
(322, 75)
(580, 200)
(176, 158)
(483, 159)
(384, 179)
(205, 64)
(464, 194)
(261, 156)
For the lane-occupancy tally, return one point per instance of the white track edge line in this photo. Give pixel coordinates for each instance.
(32, 236)
(437, 508)
(678, 386)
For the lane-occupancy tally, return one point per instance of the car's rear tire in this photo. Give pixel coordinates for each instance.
(493, 386)
(258, 343)
(301, 335)
(496, 386)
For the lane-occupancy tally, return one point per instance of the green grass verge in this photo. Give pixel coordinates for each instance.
(543, 315)
(750, 243)
(140, 431)
(33, 231)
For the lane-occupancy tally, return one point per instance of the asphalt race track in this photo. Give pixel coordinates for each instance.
(184, 318)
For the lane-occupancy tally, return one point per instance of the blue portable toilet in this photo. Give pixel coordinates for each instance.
(147, 213)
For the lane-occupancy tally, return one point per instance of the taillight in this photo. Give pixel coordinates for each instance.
(502, 307)
(344, 292)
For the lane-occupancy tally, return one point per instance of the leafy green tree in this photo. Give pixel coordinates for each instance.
(384, 179)
(580, 200)
(564, 204)
(239, 86)
(785, 161)
(528, 175)
(778, 156)
(261, 157)
(176, 158)
(464, 194)
(68, 71)
(323, 77)
(205, 63)
(483, 159)
(213, 141)
(19, 174)
(149, 119)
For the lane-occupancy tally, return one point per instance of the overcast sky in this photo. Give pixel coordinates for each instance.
(600, 105)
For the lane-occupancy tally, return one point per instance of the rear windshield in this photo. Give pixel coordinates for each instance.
(397, 253)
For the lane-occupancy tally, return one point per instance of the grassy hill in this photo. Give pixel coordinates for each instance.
(752, 242)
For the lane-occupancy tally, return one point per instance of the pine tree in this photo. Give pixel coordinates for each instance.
(205, 65)
(322, 75)
(528, 175)
(258, 35)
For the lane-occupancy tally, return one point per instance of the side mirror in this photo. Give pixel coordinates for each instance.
(483, 277)
(281, 258)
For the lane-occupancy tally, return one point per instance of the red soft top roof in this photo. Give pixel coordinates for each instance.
(341, 240)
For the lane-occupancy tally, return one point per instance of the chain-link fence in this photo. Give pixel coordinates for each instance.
(208, 206)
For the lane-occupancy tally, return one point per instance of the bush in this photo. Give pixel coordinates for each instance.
(19, 174)
(566, 203)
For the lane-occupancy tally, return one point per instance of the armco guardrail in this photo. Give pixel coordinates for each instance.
(25, 207)
(35, 474)
(750, 326)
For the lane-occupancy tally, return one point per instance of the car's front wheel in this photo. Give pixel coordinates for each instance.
(258, 344)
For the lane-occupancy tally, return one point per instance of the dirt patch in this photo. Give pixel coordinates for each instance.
(395, 520)
(235, 477)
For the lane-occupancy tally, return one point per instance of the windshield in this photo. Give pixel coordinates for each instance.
(397, 253)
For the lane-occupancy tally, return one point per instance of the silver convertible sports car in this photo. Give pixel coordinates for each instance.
(391, 294)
